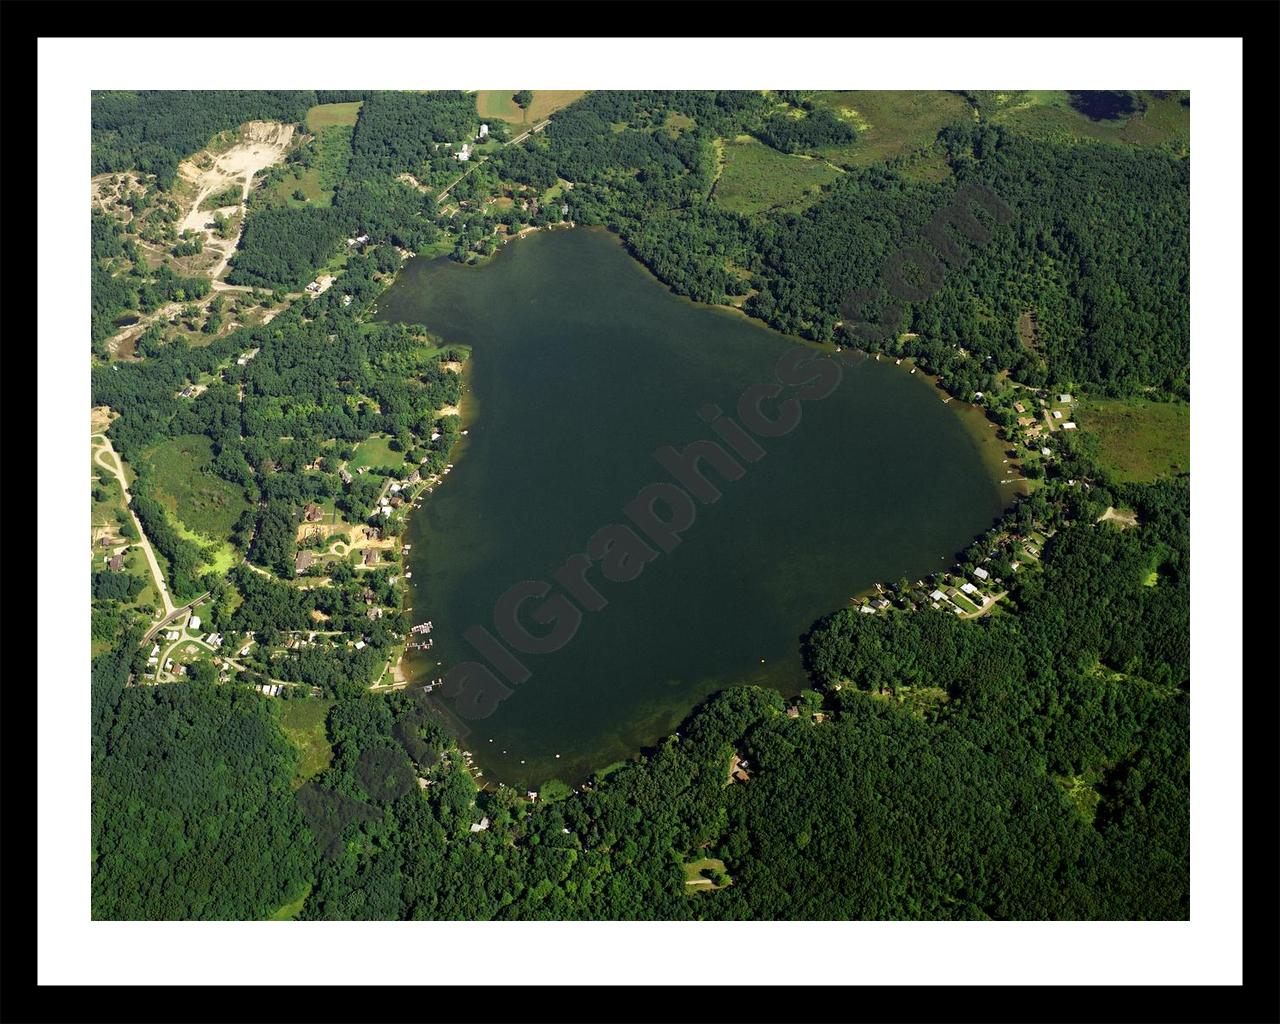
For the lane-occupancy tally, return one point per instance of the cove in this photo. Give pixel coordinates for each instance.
(582, 365)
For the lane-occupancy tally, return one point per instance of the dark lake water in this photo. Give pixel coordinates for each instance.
(582, 366)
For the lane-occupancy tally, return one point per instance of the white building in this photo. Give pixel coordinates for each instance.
(484, 131)
(1069, 425)
(194, 623)
(464, 154)
(981, 573)
(968, 588)
(1064, 399)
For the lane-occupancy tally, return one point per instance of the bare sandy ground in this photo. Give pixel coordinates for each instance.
(262, 143)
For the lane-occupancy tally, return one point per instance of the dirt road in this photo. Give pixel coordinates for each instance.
(114, 465)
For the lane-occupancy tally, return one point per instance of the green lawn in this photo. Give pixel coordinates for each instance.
(205, 505)
(303, 721)
(1138, 440)
(891, 123)
(961, 601)
(375, 452)
(328, 115)
(756, 177)
(696, 881)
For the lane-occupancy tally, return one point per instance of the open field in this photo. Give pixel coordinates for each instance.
(756, 177)
(328, 115)
(375, 452)
(293, 908)
(206, 505)
(891, 123)
(497, 104)
(695, 881)
(303, 721)
(332, 155)
(1139, 440)
(1048, 114)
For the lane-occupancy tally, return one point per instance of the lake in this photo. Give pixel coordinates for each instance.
(582, 366)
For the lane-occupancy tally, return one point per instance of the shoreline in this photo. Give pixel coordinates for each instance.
(981, 431)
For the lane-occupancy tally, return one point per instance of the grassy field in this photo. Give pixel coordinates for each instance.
(317, 182)
(757, 177)
(327, 115)
(204, 504)
(891, 123)
(1048, 114)
(1139, 440)
(374, 451)
(303, 722)
(496, 104)
(292, 909)
(695, 881)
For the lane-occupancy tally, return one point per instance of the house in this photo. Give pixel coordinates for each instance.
(173, 634)
(484, 132)
(564, 209)
(155, 650)
(464, 154)
(880, 602)
(314, 286)
(346, 300)
(397, 501)
(866, 609)
(393, 488)
(793, 712)
(117, 562)
(386, 510)
(302, 561)
(360, 645)
(1019, 407)
(414, 477)
(194, 623)
(738, 770)
(1045, 451)
(532, 794)
(346, 477)
(1057, 415)
(1069, 425)
(480, 826)
(168, 664)
(313, 513)
(1065, 399)
(968, 588)
(938, 595)
(370, 556)
(981, 573)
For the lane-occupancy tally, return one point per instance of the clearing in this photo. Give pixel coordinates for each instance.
(1139, 440)
(1163, 123)
(497, 104)
(206, 505)
(756, 177)
(894, 123)
(331, 115)
(261, 144)
(303, 721)
(697, 875)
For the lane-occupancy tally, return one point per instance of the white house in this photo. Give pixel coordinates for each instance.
(968, 588)
(938, 595)
(981, 573)
(480, 826)
(464, 153)
(1057, 415)
(484, 131)
(1069, 425)
(1064, 399)
(194, 623)
(866, 609)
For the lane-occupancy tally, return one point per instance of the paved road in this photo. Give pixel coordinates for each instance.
(177, 613)
(118, 469)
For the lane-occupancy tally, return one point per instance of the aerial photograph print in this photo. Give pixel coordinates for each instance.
(619, 505)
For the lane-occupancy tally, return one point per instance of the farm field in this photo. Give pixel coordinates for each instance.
(756, 177)
(205, 504)
(329, 115)
(1139, 440)
(497, 104)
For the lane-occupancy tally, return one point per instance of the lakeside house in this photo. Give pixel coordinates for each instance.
(981, 573)
(938, 595)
